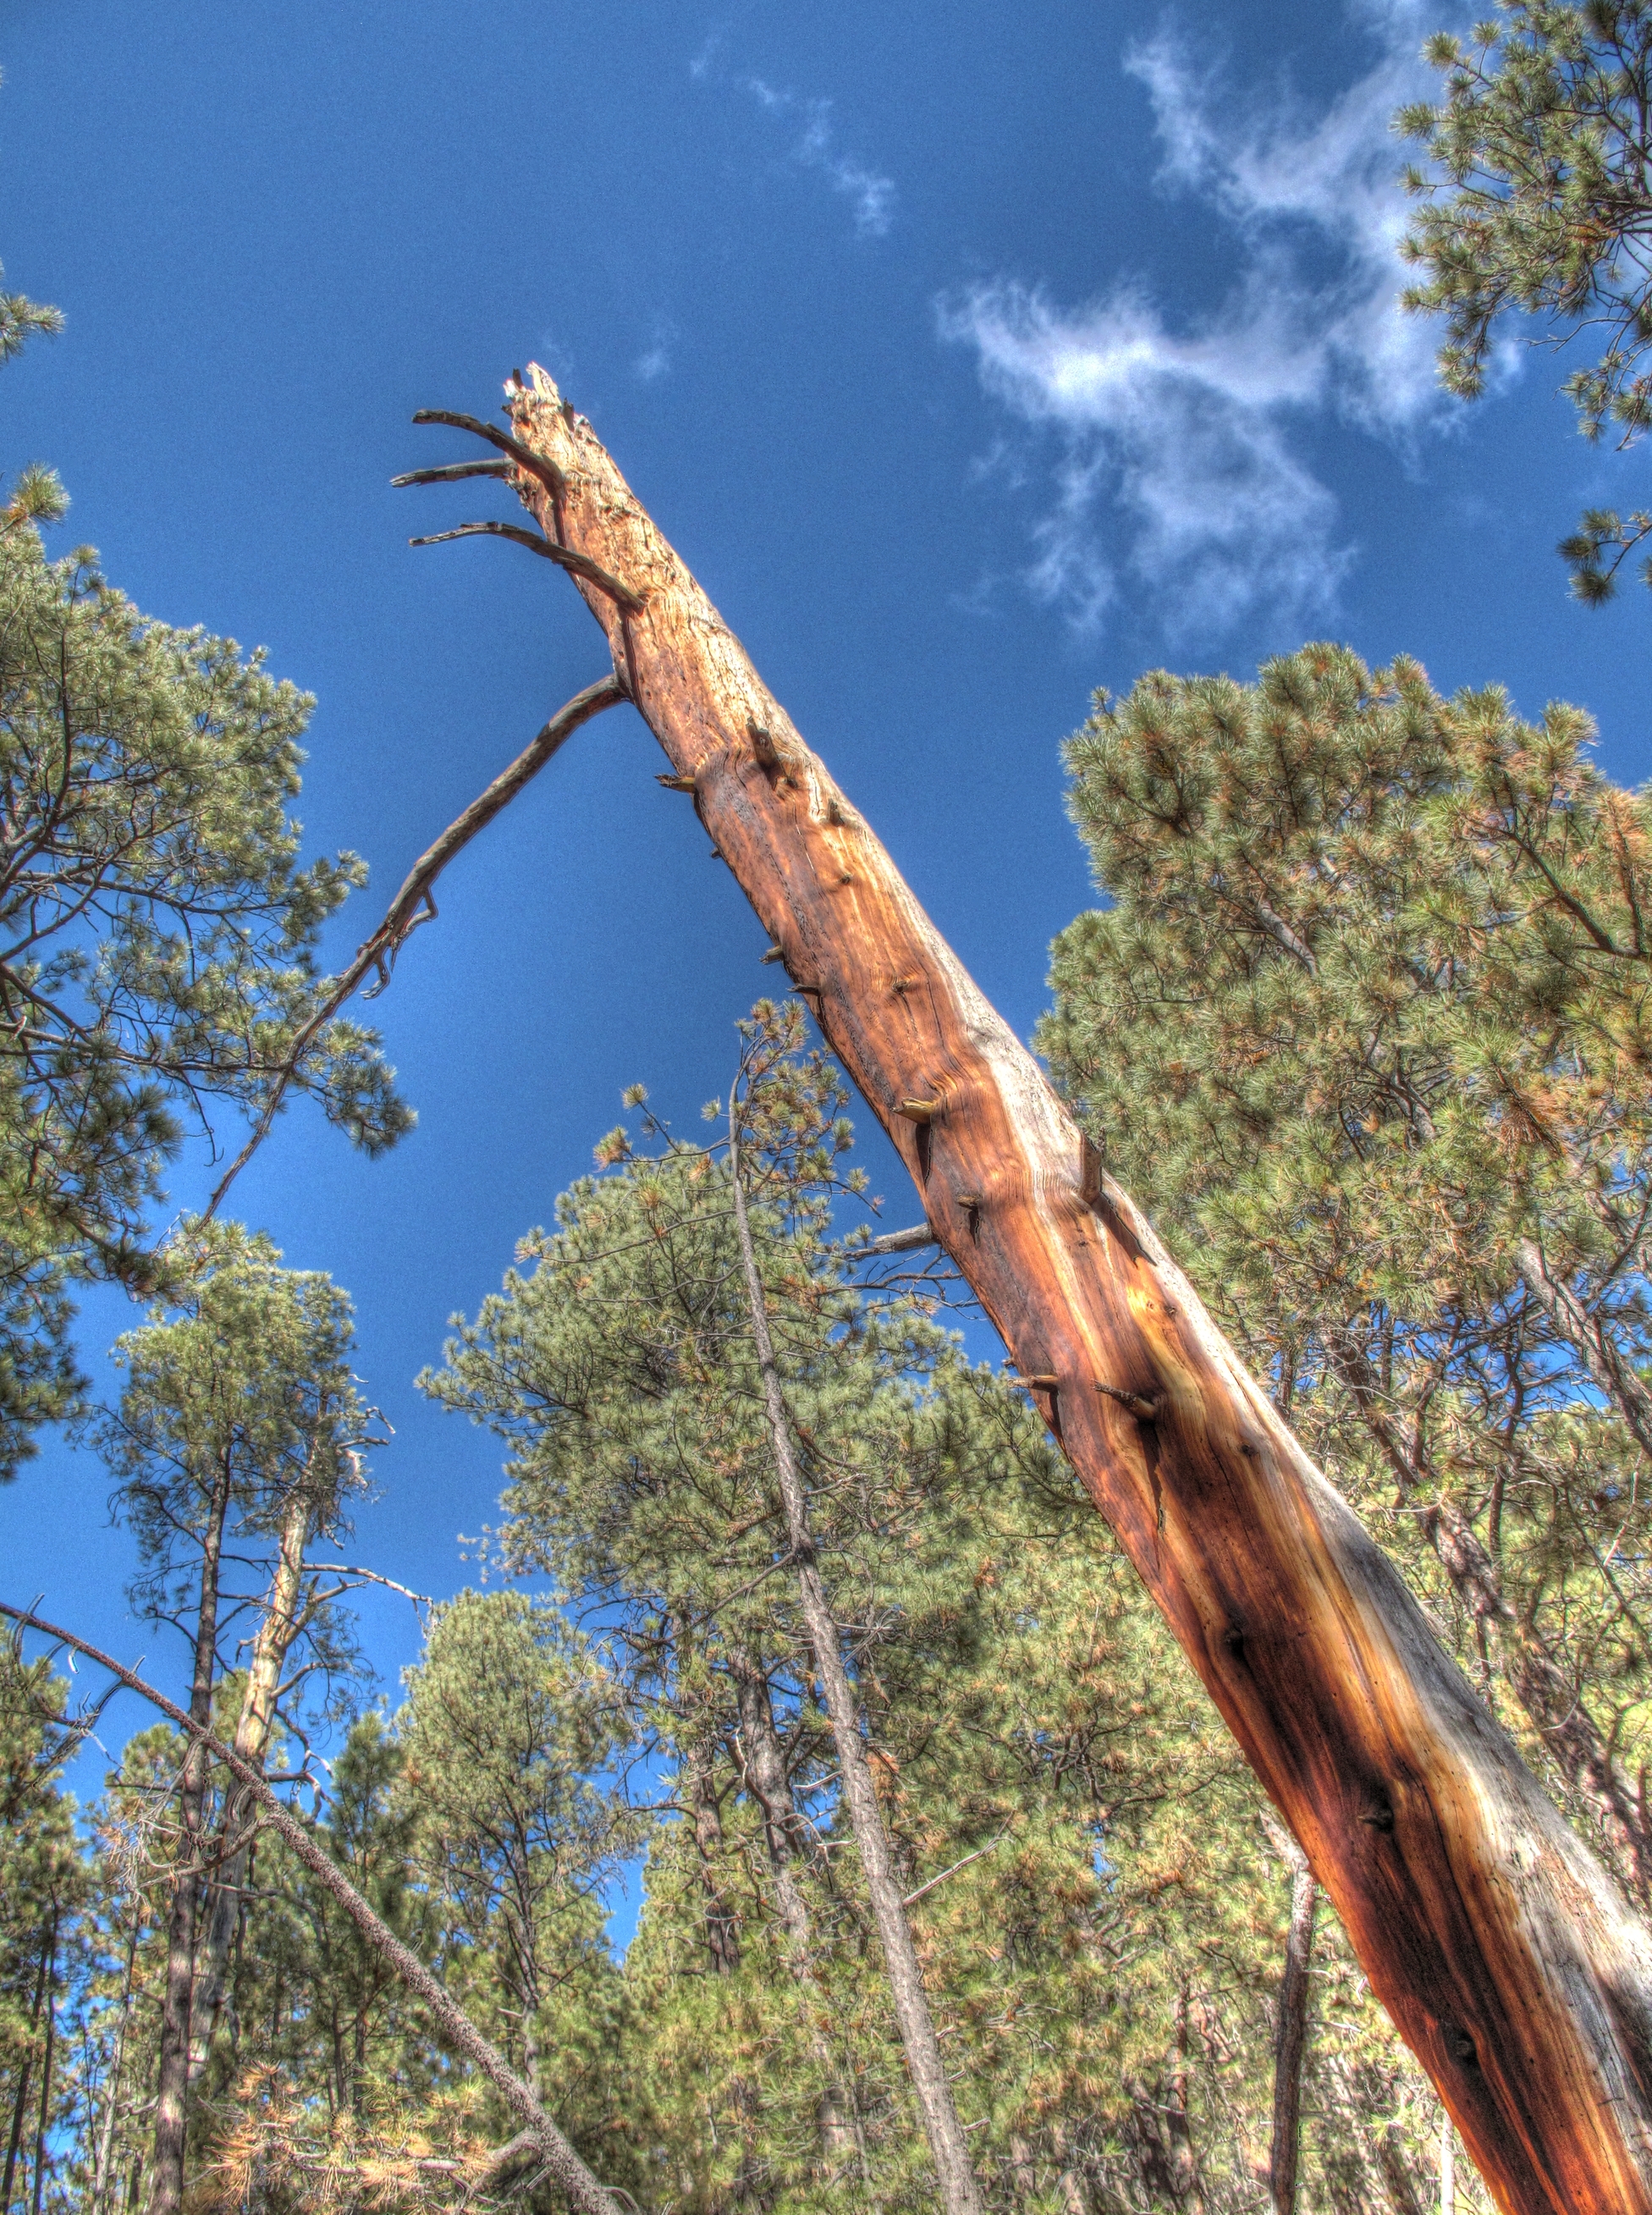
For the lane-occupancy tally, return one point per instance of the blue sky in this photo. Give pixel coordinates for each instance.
(972, 357)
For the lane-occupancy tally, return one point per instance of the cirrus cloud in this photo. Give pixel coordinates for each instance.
(1181, 464)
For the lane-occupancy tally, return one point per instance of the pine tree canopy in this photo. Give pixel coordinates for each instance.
(1367, 1026)
(1537, 203)
(158, 955)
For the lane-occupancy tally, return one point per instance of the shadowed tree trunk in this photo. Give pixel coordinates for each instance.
(1291, 2029)
(1504, 1953)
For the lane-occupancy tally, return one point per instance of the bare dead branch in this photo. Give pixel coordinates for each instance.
(537, 465)
(451, 472)
(897, 1242)
(577, 564)
(414, 904)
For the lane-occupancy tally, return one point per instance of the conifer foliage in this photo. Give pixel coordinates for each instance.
(1367, 1024)
(1100, 1917)
(1535, 203)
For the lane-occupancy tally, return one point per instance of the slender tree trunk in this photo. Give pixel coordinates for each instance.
(1185, 2178)
(1291, 2029)
(103, 2168)
(26, 2077)
(947, 2146)
(277, 1631)
(44, 2121)
(722, 1924)
(1448, 2166)
(172, 2089)
(836, 2113)
(1618, 1378)
(767, 1779)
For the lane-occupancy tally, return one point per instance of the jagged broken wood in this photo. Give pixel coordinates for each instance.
(1503, 1952)
(413, 904)
(557, 2156)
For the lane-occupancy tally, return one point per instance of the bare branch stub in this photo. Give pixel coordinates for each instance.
(451, 473)
(566, 557)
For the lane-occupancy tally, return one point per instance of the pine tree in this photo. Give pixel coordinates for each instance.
(238, 1436)
(511, 1726)
(156, 939)
(1536, 204)
(1366, 1020)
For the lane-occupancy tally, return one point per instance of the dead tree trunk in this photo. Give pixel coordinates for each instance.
(277, 1633)
(1500, 1947)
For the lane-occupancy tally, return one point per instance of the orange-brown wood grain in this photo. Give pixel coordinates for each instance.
(1499, 1945)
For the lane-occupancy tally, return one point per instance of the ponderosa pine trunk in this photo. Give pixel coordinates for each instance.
(1290, 2033)
(948, 2148)
(1504, 1953)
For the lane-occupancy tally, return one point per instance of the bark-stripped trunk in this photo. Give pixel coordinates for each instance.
(1290, 2032)
(1499, 1945)
(254, 1728)
(948, 2148)
(172, 2087)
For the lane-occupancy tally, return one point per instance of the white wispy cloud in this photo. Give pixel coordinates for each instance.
(870, 194)
(654, 361)
(1181, 463)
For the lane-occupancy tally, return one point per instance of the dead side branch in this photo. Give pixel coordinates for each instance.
(414, 904)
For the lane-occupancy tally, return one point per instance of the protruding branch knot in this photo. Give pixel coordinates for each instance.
(1145, 1405)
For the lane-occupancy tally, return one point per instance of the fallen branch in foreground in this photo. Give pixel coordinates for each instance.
(1502, 1950)
(413, 904)
(557, 2156)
